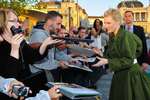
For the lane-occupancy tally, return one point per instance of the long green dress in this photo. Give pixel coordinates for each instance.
(129, 82)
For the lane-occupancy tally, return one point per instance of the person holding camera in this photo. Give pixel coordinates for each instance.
(15, 53)
(7, 87)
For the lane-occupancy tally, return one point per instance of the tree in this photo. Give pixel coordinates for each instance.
(17, 5)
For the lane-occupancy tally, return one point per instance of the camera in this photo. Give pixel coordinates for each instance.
(15, 30)
(21, 90)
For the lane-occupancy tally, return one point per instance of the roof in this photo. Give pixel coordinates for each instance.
(130, 4)
(36, 14)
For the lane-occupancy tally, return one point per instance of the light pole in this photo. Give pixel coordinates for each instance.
(69, 17)
(77, 13)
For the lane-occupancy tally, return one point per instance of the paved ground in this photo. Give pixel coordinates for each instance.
(104, 85)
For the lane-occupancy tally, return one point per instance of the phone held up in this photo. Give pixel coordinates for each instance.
(15, 30)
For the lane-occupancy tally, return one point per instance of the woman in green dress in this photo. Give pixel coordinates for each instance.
(129, 82)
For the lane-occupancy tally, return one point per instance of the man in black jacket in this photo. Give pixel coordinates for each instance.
(139, 31)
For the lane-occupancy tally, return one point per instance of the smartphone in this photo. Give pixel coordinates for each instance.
(20, 90)
(15, 30)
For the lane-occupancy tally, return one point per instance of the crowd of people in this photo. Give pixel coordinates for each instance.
(41, 58)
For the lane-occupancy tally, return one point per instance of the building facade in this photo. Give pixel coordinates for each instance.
(73, 14)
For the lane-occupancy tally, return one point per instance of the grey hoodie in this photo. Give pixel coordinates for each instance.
(48, 63)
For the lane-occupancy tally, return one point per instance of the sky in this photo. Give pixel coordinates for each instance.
(98, 7)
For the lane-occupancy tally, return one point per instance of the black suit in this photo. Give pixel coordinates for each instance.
(139, 31)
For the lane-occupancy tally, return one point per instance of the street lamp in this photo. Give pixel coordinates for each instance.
(69, 17)
(77, 13)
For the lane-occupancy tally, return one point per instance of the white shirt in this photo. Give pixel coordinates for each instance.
(97, 42)
(131, 28)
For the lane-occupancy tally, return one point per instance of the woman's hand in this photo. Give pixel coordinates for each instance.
(16, 41)
(144, 66)
(15, 45)
(54, 93)
(102, 61)
(1, 39)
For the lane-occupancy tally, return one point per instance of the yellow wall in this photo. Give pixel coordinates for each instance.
(32, 20)
(65, 8)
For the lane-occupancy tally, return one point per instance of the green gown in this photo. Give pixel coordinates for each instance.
(129, 82)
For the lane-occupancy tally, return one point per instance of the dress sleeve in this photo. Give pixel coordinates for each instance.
(130, 48)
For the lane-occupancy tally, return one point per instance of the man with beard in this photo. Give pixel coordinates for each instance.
(51, 25)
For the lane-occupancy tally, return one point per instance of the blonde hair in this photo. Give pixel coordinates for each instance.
(3, 18)
(115, 14)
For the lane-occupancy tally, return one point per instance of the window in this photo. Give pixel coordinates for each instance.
(143, 18)
(137, 16)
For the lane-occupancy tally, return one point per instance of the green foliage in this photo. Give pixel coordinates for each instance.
(17, 5)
